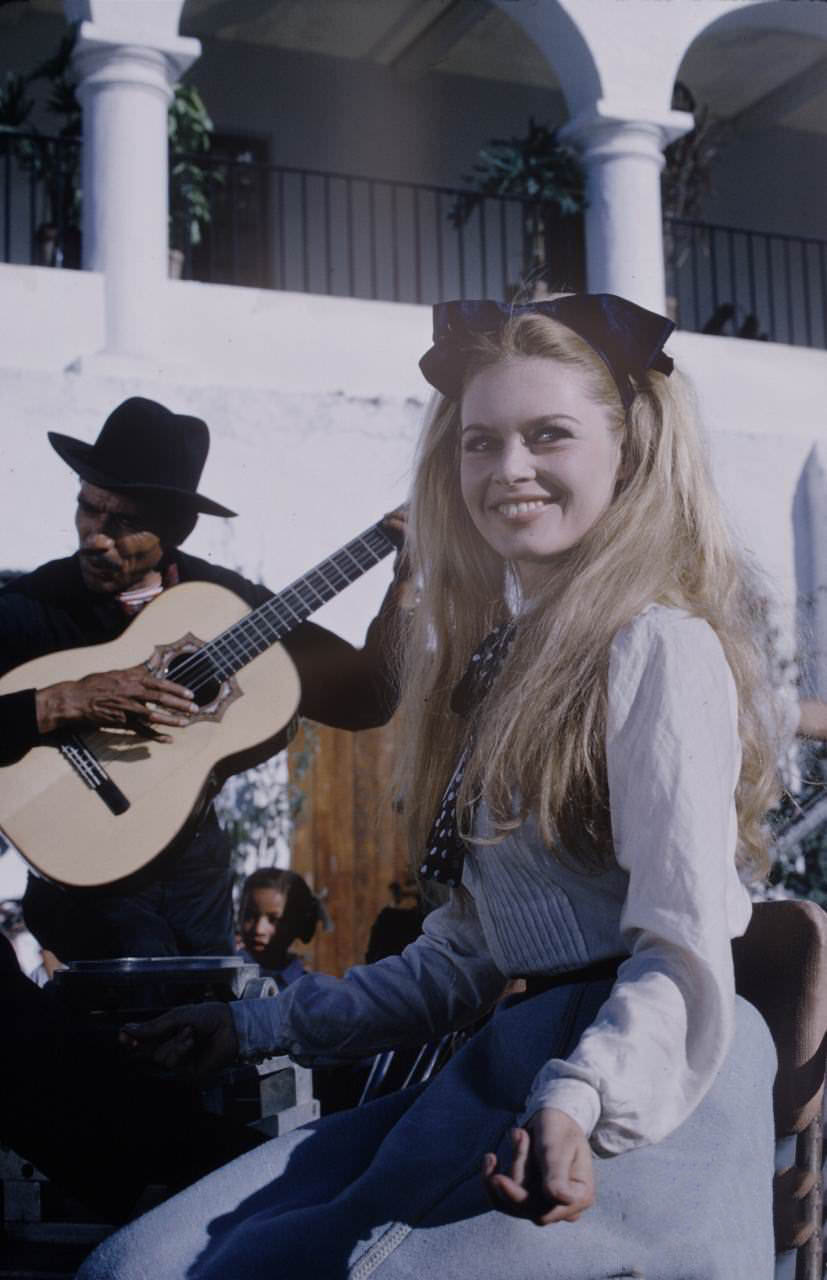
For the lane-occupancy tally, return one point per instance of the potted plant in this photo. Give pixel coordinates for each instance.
(54, 162)
(685, 183)
(547, 175)
(190, 182)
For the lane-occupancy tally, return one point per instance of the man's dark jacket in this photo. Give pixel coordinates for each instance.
(52, 609)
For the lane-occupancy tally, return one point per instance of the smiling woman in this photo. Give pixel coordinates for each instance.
(539, 459)
(585, 768)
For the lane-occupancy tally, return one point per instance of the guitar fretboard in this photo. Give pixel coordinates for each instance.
(266, 625)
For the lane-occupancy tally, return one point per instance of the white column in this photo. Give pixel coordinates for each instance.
(810, 532)
(623, 159)
(125, 86)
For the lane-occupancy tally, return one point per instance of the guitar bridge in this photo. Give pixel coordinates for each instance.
(86, 764)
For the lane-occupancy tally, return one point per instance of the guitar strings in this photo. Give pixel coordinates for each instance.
(274, 605)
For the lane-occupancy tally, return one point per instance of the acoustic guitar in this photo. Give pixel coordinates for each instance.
(92, 806)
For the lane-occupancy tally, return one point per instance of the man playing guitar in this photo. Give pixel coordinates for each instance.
(138, 501)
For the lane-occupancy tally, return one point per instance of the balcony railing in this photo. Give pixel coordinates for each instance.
(751, 284)
(332, 233)
(39, 199)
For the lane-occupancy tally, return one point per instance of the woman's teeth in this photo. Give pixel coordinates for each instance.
(511, 509)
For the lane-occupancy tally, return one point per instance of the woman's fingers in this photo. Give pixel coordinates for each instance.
(565, 1162)
(504, 1193)
(509, 1191)
(173, 1052)
(519, 1159)
(551, 1177)
(196, 1038)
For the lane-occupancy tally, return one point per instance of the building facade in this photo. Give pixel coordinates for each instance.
(343, 130)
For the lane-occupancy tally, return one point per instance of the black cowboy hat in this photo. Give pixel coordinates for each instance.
(145, 449)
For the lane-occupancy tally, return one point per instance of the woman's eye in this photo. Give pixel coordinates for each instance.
(478, 444)
(550, 435)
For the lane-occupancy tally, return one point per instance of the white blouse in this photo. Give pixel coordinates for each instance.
(671, 903)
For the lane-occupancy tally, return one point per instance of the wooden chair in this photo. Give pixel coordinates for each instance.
(411, 1066)
(781, 968)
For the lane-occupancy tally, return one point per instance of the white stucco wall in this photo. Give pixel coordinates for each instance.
(314, 405)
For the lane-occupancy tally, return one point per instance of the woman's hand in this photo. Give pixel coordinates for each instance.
(551, 1179)
(195, 1039)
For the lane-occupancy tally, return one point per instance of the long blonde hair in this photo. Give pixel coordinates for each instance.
(662, 540)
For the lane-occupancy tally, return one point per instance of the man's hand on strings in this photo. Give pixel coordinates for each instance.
(195, 1040)
(129, 699)
(551, 1178)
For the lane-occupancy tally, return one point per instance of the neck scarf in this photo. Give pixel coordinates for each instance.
(446, 849)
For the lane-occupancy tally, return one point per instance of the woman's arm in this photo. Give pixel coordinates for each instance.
(673, 758)
(442, 981)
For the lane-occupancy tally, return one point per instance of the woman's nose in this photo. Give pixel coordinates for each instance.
(516, 462)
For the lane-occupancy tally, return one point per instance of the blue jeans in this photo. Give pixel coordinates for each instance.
(392, 1191)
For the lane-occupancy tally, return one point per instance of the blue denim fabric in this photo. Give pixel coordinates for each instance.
(393, 1191)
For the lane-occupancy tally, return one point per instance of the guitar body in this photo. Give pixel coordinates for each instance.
(62, 826)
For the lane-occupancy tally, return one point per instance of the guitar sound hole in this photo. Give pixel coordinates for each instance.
(197, 674)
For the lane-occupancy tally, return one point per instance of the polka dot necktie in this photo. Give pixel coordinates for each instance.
(446, 848)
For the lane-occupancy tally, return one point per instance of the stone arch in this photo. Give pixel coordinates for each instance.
(563, 43)
(744, 24)
(758, 68)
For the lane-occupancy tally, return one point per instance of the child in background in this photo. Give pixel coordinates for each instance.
(276, 908)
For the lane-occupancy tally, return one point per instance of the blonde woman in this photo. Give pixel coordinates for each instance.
(586, 773)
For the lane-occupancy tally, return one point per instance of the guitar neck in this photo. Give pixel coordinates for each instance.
(271, 621)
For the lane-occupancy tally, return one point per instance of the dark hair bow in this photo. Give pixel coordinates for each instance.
(628, 338)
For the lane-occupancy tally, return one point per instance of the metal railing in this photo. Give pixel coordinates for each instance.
(751, 284)
(312, 231)
(39, 199)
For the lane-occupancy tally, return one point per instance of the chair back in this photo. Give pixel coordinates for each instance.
(781, 968)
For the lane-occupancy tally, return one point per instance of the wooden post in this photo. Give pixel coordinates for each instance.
(348, 839)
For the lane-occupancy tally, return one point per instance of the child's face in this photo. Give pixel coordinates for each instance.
(263, 911)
